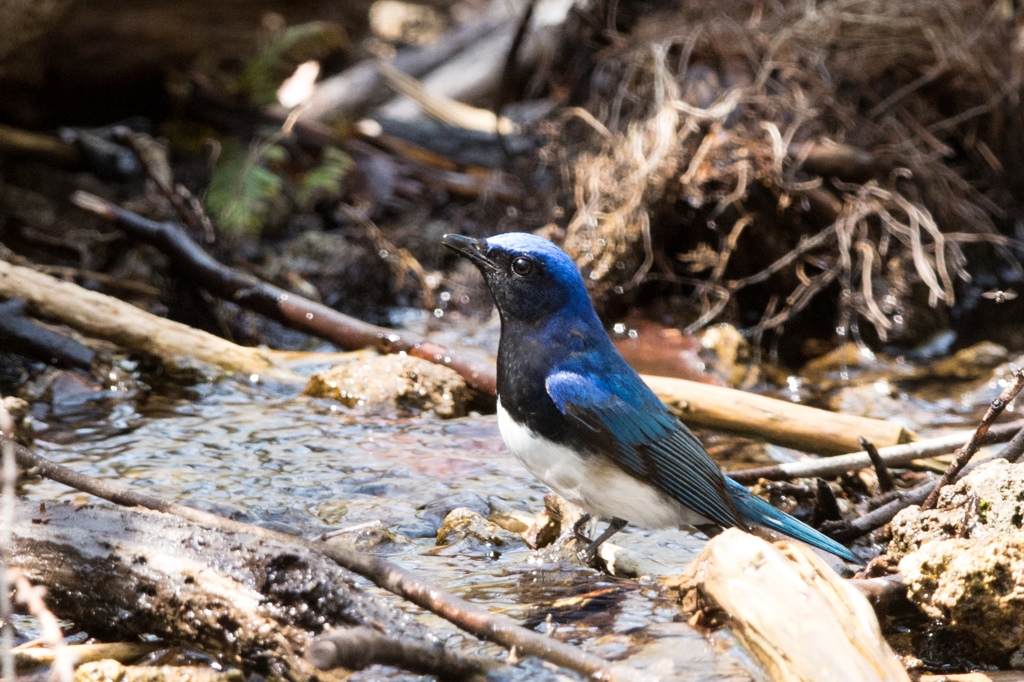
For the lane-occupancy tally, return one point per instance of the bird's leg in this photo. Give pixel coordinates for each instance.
(614, 526)
(577, 528)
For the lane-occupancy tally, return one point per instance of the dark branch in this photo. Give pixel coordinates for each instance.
(360, 647)
(198, 267)
(885, 480)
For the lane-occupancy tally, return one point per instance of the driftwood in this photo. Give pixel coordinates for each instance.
(358, 90)
(797, 426)
(252, 601)
(391, 577)
(794, 613)
(105, 317)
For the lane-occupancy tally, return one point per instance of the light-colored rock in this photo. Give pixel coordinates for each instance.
(986, 503)
(463, 524)
(976, 588)
(394, 380)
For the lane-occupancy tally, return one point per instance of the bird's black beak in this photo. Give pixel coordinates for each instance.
(473, 249)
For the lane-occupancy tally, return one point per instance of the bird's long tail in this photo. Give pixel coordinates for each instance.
(754, 508)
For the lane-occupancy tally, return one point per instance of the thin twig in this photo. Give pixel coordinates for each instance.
(385, 574)
(290, 309)
(847, 531)
(895, 455)
(885, 481)
(964, 454)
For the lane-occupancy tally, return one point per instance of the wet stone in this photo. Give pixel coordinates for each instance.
(372, 537)
(976, 589)
(963, 562)
(394, 381)
(465, 525)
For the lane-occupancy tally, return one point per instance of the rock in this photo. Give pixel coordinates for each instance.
(394, 380)
(14, 415)
(727, 353)
(465, 527)
(986, 503)
(971, 363)
(976, 588)
(372, 537)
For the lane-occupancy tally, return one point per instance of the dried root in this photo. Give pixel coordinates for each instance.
(846, 143)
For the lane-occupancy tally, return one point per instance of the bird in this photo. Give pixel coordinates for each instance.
(580, 418)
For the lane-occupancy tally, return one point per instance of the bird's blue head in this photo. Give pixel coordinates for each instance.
(530, 278)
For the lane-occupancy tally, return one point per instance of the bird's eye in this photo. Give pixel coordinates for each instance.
(522, 266)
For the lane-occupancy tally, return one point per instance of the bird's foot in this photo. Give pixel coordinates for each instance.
(589, 553)
(577, 528)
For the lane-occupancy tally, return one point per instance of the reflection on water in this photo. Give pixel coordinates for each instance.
(309, 466)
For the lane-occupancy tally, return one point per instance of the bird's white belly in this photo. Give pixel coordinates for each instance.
(594, 483)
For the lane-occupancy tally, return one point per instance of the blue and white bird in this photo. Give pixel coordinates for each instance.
(581, 420)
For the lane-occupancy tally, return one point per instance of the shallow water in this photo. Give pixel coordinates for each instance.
(308, 466)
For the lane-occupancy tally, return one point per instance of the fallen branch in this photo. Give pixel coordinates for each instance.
(896, 455)
(254, 602)
(964, 454)
(846, 531)
(15, 142)
(23, 336)
(361, 88)
(391, 577)
(361, 647)
(882, 473)
(777, 421)
(200, 269)
(105, 317)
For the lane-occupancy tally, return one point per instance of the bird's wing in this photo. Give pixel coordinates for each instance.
(647, 442)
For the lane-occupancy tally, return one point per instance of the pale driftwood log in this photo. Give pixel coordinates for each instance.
(253, 601)
(476, 73)
(444, 108)
(105, 317)
(777, 421)
(468, 77)
(360, 89)
(790, 610)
